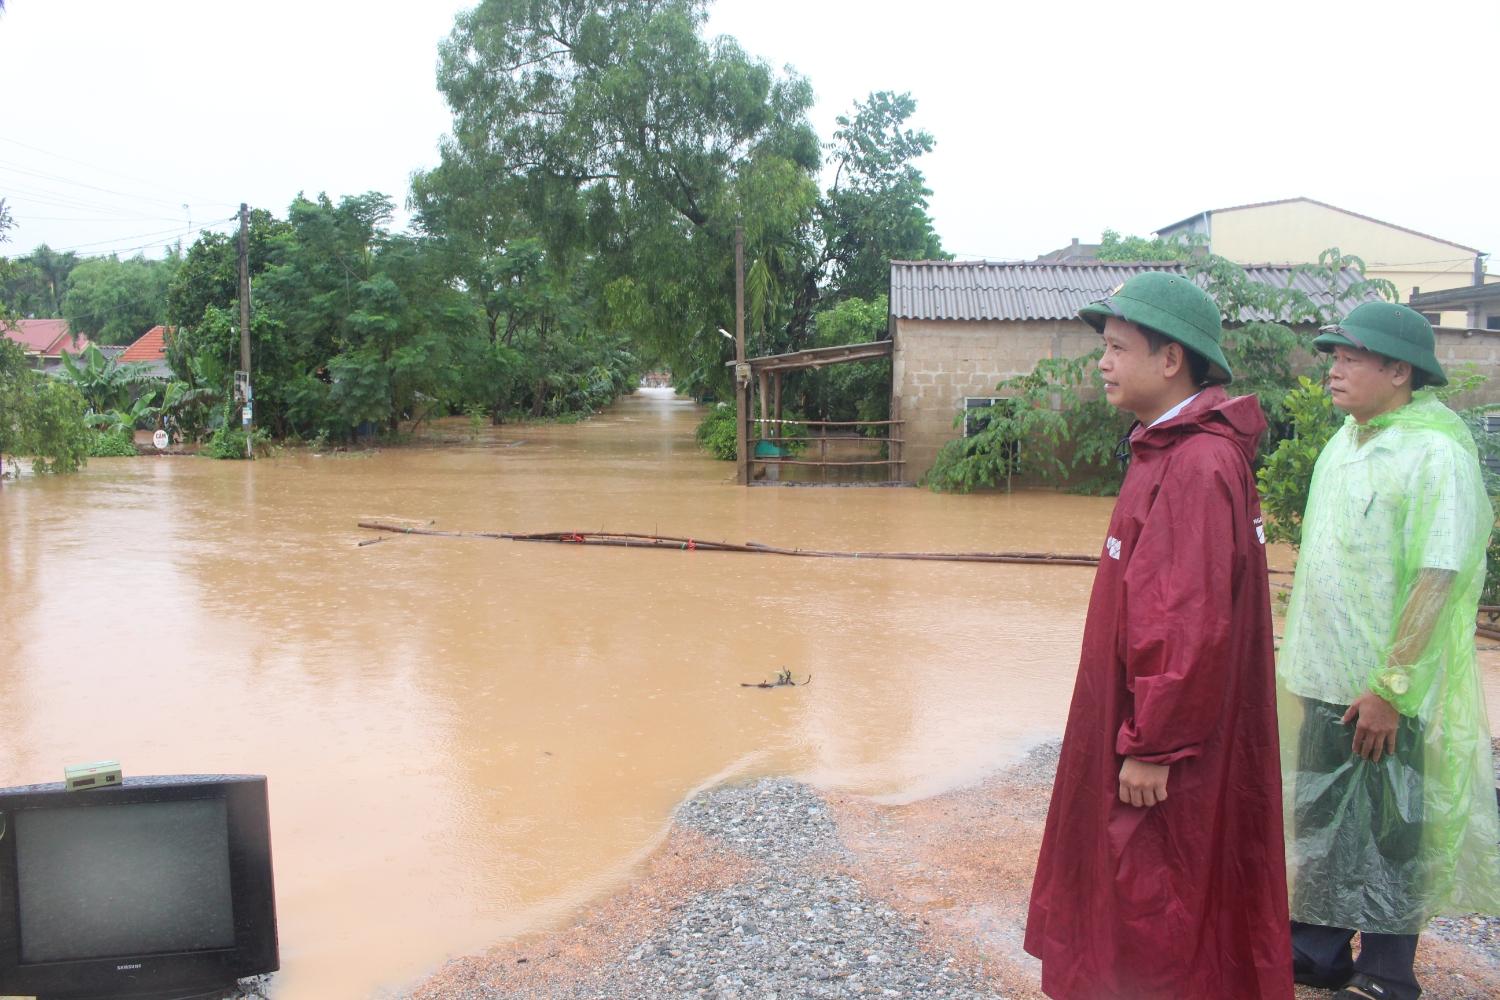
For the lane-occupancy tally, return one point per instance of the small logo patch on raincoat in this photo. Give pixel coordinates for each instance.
(1112, 546)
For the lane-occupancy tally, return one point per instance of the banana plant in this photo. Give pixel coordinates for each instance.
(124, 422)
(104, 383)
(186, 408)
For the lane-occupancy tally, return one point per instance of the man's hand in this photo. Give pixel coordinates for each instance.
(1375, 730)
(1141, 784)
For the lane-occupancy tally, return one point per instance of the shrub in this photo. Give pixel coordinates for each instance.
(1286, 476)
(716, 432)
(112, 444)
(229, 443)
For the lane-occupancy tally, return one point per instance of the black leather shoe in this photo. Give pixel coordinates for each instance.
(1362, 987)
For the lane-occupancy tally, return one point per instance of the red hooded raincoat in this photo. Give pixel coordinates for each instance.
(1185, 900)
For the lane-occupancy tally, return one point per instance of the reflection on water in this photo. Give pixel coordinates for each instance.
(465, 738)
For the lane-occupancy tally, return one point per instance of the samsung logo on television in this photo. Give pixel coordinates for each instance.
(127, 968)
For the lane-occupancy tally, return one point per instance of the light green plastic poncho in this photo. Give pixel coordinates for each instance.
(1385, 597)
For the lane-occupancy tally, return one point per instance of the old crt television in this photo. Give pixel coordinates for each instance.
(155, 887)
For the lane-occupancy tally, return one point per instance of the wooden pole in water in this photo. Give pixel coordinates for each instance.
(779, 426)
(741, 388)
(628, 539)
(248, 404)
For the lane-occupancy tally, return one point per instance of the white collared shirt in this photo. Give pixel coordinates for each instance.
(1175, 410)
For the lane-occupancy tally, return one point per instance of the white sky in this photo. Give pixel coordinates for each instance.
(1052, 120)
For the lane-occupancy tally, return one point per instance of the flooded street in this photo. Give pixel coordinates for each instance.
(468, 738)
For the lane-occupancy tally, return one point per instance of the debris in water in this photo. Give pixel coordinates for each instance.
(783, 679)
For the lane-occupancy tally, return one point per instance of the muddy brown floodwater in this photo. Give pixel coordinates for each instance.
(469, 739)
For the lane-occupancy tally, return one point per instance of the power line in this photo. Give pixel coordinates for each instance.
(95, 218)
(156, 244)
(106, 170)
(92, 187)
(60, 200)
(175, 231)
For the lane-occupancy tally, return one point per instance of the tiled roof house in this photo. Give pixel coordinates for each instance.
(45, 340)
(150, 350)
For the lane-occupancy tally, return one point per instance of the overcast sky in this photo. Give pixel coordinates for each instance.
(126, 124)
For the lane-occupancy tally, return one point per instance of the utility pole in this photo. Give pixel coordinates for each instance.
(247, 414)
(741, 370)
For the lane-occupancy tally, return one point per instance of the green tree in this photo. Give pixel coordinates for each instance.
(1114, 247)
(875, 210)
(113, 301)
(629, 146)
(40, 418)
(351, 324)
(43, 282)
(1286, 476)
(25, 291)
(858, 390)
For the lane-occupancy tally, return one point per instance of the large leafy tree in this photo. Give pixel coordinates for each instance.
(34, 284)
(40, 417)
(54, 268)
(629, 147)
(114, 301)
(875, 209)
(350, 324)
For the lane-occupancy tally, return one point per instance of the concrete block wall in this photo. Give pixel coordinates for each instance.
(937, 363)
(1481, 348)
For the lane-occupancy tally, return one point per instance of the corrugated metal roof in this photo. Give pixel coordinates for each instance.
(1034, 290)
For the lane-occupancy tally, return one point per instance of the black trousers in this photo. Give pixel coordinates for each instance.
(1368, 820)
(1386, 958)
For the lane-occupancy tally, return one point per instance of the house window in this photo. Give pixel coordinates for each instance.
(1492, 322)
(1436, 319)
(1487, 441)
(977, 418)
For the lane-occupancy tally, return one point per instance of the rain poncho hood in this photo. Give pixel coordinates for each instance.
(1385, 596)
(1186, 898)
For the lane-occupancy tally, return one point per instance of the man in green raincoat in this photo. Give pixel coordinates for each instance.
(1391, 814)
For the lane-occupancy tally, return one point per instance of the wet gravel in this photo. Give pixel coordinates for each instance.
(799, 928)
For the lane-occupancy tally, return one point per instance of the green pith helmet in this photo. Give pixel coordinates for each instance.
(1174, 307)
(1388, 329)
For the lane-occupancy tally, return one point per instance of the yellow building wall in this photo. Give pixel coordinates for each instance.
(1296, 232)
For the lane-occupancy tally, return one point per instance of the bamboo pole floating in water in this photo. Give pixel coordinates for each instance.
(641, 541)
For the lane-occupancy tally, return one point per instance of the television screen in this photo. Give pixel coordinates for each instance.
(123, 880)
(154, 885)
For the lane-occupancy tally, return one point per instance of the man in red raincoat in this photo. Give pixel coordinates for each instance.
(1161, 874)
